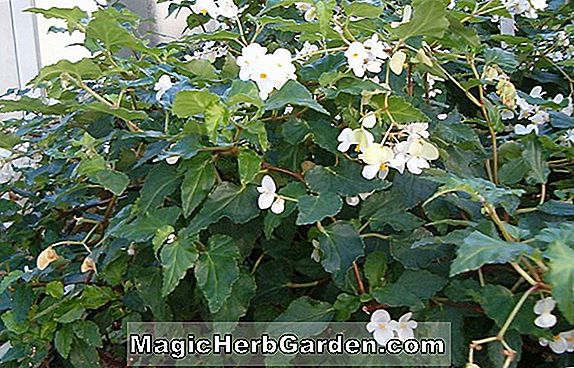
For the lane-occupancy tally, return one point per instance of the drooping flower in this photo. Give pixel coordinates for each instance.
(88, 265)
(268, 197)
(163, 85)
(46, 257)
(405, 327)
(369, 121)
(397, 62)
(558, 344)
(407, 15)
(316, 254)
(543, 308)
(355, 200)
(376, 157)
(348, 137)
(310, 12)
(520, 129)
(381, 326)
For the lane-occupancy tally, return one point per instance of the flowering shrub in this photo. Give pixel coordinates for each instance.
(312, 160)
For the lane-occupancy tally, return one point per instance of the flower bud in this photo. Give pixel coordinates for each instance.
(47, 256)
(88, 265)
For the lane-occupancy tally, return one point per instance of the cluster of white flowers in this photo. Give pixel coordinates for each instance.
(12, 162)
(224, 8)
(413, 153)
(536, 114)
(561, 343)
(268, 197)
(210, 51)
(525, 8)
(384, 328)
(367, 56)
(562, 48)
(268, 71)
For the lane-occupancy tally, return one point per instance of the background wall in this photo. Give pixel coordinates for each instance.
(26, 45)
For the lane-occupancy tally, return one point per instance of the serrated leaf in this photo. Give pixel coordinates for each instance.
(243, 92)
(363, 9)
(144, 228)
(340, 245)
(83, 355)
(63, 340)
(428, 19)
(532, 156)
(479, 249)
(83, 69)
(176, 259)
(293, 93)
(316, 208)
(375, 268)
(114, 181)
(9, 279)
(190, 103)
(249, 165)
(105, 27)
(197, 183)
(227, 200)
(400, 109)
(162, 181)
(561, 277)
(120, 112)
(345, 179)
(89, 332)
(237, 304)
(216, 270)
(72, 16)
(305, 309)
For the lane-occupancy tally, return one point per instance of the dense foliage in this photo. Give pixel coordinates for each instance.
(310, 160)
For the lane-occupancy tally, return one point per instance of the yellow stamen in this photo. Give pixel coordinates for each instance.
(263, 75)
(384, 167)
(358, 148)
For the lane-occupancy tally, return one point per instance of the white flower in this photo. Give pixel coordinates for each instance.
(442, 116)
(376, 157)
(206, 7)
(569, 135)
(227, 8)
(416, 131)
(356, 55)
(268, 197)
(377, 49)
(355, 200)
(369, 121)
(520, 129)
(316, 254)
(397, 62)
(381, 326)
(561, 343)
(420, 152)
(404, 327)
(407, 14)
(268, 71)
(172, 160)
(543, 308)
(163, 85)
(537, 92)
(309, 10)
(349, 137)
(540, 117)
(539, 4)
(308, 48)
(250, 58)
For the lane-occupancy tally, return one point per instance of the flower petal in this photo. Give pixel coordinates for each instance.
(545, 320)
(380, 316)
(265, 200)
(278, 206)
(268, 184)
(383, 335)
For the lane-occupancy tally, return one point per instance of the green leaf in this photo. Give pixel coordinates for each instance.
(144, 228)
(55, 289)
(316, 208)
(89, 332)
(161, 182)
(422, 283)
(237, 304)
(375, 268)
(198, 181)
(83, 355)
(83, 69)
(94, 296)
(341, 245)
(479, 249)
(105, 27)
(345, 179)
(216, 270)
(503, 58)
(72, 16)
(202, 68)
(35, 105)
(346, 305)
(428, 19)
(227, 200)
(363, 9)
(561, 277)
(396, 295)
(176, 259)
(400, 109)
(249, 165)
(190, 103)
(557, 208)
(120, 112)
(114, 181)
(539, 170)
(293, 93)
(73, 314)
(242, 92)
(9, 279)
(305, 309)
(63, 340)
